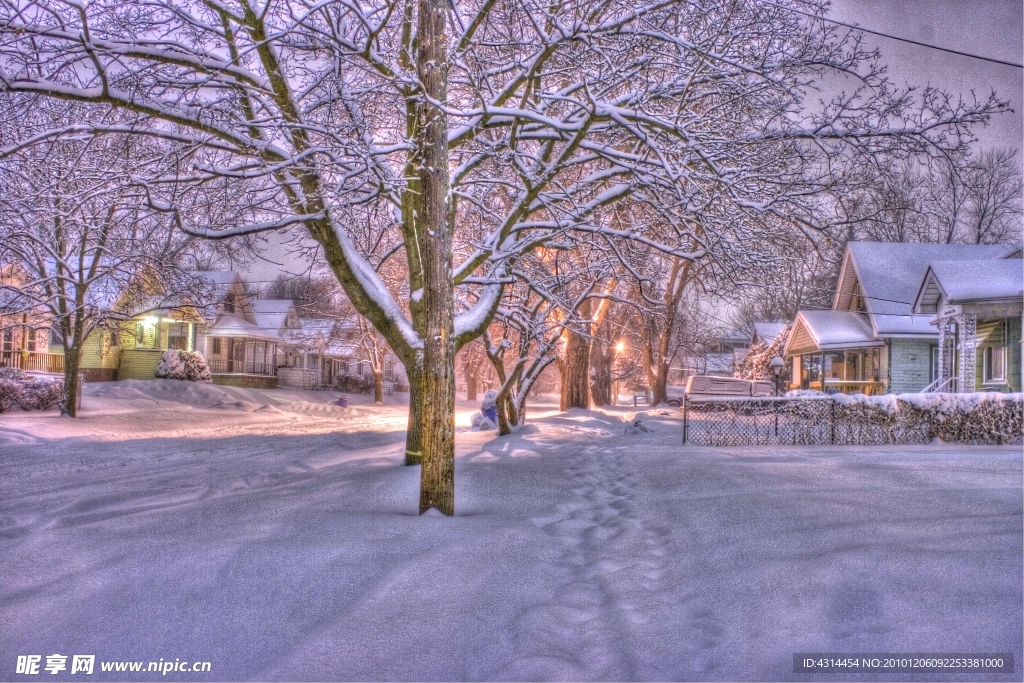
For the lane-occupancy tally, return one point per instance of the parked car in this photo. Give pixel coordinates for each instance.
(702, 386)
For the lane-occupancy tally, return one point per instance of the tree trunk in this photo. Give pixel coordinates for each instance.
(72, 363)
(413, 435)
(601, 356)
(576, 372)
(472, 374)
(659, 391)
(437, 476)
(378, 385)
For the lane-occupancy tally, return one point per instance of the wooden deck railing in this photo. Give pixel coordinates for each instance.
(33, 362)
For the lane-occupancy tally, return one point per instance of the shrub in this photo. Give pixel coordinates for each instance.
(183, 365)
(12, 374)
(41, 394)
(355, 384)
(10, 392)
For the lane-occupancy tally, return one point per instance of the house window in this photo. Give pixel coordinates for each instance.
(343, 367)
(178, 336)
(216, 345)
(995, 364)
(8, 340)
(229, 303)
(55, 338)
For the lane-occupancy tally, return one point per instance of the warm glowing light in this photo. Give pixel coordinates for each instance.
(619, 347)
(150, 320)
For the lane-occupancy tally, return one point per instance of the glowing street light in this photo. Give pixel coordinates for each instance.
(619, 347)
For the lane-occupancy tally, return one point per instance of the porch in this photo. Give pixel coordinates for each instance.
(32, 361)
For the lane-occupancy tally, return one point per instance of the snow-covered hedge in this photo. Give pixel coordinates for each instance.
(979, 418)
(18, 390)
(184, 365)
(355, 384)
(984, 417)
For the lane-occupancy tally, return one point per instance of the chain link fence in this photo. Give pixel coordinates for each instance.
(825, 421)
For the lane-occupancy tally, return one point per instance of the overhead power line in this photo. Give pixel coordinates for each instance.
(892, 37)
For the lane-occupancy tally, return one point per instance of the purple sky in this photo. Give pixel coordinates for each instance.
(991, 28)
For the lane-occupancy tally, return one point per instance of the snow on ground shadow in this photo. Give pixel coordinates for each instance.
(274, 535)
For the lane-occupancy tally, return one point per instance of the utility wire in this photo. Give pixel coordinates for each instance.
(886, 35)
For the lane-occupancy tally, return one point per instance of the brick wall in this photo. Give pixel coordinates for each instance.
(909, 365)
(246, 381)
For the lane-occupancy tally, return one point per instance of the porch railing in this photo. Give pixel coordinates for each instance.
(240, 367)
(950, 384)
(32, 361)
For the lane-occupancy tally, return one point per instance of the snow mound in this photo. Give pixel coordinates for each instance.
(247, 406)
(106, 390)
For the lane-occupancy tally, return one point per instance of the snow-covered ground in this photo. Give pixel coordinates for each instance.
(276, 536)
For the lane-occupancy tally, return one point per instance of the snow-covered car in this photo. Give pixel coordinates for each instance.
(701, 386)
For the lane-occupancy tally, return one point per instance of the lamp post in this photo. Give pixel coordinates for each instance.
(776, 365)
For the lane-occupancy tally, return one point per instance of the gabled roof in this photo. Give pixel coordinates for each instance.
(959, 282)
(824, 330)
(272, 315)
(890, 273)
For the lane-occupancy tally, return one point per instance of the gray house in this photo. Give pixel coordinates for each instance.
(873, 340)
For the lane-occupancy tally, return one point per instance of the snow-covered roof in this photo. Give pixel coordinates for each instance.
(902, 325)
(824, 330)
(959, 282)
(890, 273)
(767, 332)
(272, 314)
(228, 325)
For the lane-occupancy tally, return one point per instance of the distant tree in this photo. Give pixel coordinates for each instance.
(77, 223)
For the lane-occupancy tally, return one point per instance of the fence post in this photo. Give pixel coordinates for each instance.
(776, 411)
(686, 401)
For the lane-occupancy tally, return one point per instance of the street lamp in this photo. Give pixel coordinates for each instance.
(776, 366)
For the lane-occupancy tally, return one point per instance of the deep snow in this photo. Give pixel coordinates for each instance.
(275, 536)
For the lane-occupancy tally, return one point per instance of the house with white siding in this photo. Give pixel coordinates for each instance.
(874, 340)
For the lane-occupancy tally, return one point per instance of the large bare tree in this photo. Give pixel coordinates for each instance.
(485, 128)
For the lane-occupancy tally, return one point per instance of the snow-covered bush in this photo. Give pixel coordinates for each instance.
(10, 392)
(183, 365)
(12, 374)
(41, 394)
(757, 363)
(20, 390)
(170, 366)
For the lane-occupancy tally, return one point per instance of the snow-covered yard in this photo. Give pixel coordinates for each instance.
(276, 536)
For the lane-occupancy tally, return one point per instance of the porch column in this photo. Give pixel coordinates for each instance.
(944, 361)
(968, 350)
